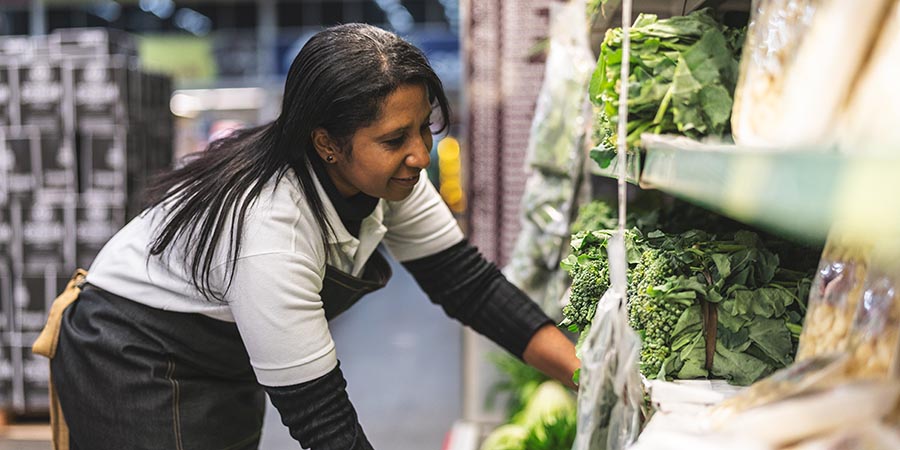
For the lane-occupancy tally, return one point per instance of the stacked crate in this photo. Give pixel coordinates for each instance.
(81, 129)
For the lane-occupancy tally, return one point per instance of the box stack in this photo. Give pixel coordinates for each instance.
(82, 127)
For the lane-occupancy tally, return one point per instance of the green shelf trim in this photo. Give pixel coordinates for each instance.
(632, 168)
(801, 192)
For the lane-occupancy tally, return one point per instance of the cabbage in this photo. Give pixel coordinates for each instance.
(506, 437)
(550, 400)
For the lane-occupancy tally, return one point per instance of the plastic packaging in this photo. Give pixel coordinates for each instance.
(797, 69)
(610, 395)
(805, 376)
(556, 154)
(870, 121)
(833, 297)
(874, 339)
(810, 414)
(873, 436)
(559, 125)
(534, 263)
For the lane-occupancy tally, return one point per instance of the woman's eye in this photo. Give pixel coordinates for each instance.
(396, 142)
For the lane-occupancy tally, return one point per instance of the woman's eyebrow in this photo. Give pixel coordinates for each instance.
(403, 128)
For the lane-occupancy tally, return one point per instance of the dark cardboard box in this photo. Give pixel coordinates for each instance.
(30, 375)
(41, 94)
(58, 162)
(98, 219)
(48, 232)
(16, 48)
(100, 89)
(91, 42)
(102, 158)
(6, 295)
(6, 372)
(8, 97)
(33, 294)
(20, 153)
(6, 234)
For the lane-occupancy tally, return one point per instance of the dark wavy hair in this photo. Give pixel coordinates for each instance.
(338, 82)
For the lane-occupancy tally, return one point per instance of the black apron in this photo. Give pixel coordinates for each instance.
(341, 290)
(234, 403)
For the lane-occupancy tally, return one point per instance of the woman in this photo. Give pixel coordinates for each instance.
(222, 289)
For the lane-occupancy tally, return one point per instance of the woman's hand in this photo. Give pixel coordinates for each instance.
(551, 352)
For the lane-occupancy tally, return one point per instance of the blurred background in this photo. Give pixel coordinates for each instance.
(96, 96)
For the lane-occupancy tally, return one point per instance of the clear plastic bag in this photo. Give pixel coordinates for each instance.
(811, 414)
(869, 124)
(873, 436)
(809, 375)
(874, 339)
(556, 156)
(610, 395)
(797, 71)
(560, 118)
(835, 292)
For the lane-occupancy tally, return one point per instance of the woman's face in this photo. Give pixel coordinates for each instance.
(388, 154)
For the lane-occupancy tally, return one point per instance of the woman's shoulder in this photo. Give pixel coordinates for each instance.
(278, 219)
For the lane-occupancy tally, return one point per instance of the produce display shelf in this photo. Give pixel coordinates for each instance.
(800, 193)
(632, 168)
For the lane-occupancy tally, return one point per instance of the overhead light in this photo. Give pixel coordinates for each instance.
(109, 11)
(397, 15)
(193, 22)
(184, 105)
(160, 8)
(190, 102)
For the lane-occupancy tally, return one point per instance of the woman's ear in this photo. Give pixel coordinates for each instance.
(325, 146)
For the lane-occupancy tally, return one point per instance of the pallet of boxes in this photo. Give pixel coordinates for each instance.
(82, 127)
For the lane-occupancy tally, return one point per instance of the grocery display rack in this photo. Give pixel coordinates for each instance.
(632, 168)
(800, 193)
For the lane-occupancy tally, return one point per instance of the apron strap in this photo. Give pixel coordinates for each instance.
(46, 344)
(48, 339)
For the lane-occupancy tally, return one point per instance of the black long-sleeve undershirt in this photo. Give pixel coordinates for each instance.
(470, 289)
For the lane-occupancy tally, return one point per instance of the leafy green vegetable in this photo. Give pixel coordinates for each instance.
(547, 422)
(506, 437)
(520, 382)
(555, 432)
(596, 215)
(589, 268)
(550, 399)
(671, 277)
(683, 74)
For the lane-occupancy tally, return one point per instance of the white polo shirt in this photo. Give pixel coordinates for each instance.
(274, 296)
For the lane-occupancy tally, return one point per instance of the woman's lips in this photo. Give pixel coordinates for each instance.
(408, 181)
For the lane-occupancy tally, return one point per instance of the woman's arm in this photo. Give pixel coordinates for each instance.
(551, 352)
(472, 290)
(319, 414)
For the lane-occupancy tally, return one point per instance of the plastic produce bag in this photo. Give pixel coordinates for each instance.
(556, 156)
(559, 125)
(809, 375)
(534, 263)
(874, 339)
(835, 292)
(797, 70)
(815, 413)
(870, 121)
(874, 436)
(610, 394)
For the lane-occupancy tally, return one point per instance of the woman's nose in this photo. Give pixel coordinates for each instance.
(420, 157)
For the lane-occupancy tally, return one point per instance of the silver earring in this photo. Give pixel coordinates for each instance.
(330, 158)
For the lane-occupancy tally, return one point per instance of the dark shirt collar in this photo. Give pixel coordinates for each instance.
(351, 210)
